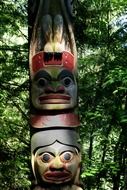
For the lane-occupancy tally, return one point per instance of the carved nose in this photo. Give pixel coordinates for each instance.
(57, 165)
(60, 89)
(50, 89)
(53, 169)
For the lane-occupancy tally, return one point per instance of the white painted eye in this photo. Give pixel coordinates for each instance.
(46, 157)
(67, 156)
(67, 81)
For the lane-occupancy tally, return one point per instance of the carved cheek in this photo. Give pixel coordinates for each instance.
(42, 167)
(70, 85)
(36, 89)
(73, 165)
(72, 90)
(70, 161)
(40, 82)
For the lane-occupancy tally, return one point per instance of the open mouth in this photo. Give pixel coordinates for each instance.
(57, 176)
(54, 99)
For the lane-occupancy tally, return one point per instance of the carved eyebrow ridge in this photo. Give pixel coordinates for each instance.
(65, 73)
(46, 152)
(42, 74)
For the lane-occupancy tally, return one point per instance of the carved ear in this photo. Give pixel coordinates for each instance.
(77, 177)
(35, 169)
(36, 173)
(77, 180)
(33, 165)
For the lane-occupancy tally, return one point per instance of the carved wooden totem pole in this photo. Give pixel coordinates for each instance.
(55, 148)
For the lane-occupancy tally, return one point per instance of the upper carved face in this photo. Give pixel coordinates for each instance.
(57, 163)
(54, 88)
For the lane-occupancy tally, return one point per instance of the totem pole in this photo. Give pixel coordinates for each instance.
(55, 146)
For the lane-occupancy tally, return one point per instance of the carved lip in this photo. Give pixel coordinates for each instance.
(54, 99)
(57, 176)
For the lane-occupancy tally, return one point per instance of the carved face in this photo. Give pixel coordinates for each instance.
(57, 163)
(54, 88)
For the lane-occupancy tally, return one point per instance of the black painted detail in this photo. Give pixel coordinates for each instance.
(58, 56)
(48, 56)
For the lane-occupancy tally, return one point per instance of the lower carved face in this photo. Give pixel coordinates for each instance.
(54, 88)
(57, 164)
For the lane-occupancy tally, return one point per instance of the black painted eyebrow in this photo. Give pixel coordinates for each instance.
(42, 74)
(67, 151)
(65, 73)
(46, 152)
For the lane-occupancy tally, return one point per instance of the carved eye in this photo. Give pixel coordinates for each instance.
(46, 157)
(67, 156)
(42, 82)
(67, 81)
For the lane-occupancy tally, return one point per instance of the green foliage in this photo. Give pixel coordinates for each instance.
(14, 104)
(103, 94)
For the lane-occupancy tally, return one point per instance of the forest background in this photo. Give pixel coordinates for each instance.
(101, 37)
